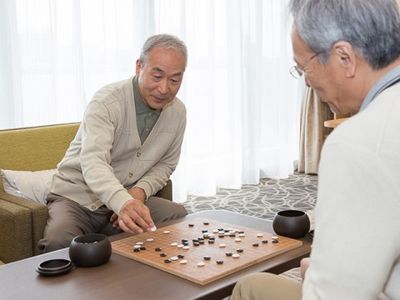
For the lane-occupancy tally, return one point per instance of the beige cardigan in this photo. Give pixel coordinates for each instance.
(106, 156)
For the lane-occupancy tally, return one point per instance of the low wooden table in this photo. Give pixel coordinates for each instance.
(123, 278)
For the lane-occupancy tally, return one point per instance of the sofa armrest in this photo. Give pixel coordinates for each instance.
(38, 214)
(15, 232)
(166, 191)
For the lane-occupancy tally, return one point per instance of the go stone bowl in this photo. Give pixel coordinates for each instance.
(90, 250)
(291, 223)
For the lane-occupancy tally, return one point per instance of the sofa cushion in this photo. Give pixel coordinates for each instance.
(32, 185)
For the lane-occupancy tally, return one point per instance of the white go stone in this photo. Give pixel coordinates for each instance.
(174, 258)
(174, 244)
(139, 243)
(201, 264)
(242, 235)
(154, 228)
(222, 245)
(183, 262)
(180, 246)
(215, 231)
(185, 247)
(238, 239)
(259, 235)
(275, 237)
(235, 255)
(150, 240)
(166, 231)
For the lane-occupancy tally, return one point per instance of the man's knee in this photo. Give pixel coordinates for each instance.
(266, 286)
(162, 210)
(244, 288)
(179, 211)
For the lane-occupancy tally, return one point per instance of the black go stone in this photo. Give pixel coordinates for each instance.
(239, 250)
(221, 235)
(200, 238)
(181, 256)
(220, 262)
(241, 232)
(207, 258)
(265, 241)
(274, 241)
(232, 235)
(163, 255)
(206, 223)
(142, 248)
(196, 244)
(158, 249)
(204, 231)
(211, 241)
(221, 229)
(167, 261)
(255, 245)
(184, 241)
(136, 250)
(228, 254)
(201, 242)
(191, 225)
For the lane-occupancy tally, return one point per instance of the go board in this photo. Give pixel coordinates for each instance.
(203, 250)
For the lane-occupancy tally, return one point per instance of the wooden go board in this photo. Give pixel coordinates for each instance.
(165, 249)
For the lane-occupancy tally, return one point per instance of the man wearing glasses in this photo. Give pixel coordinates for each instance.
(349, 53)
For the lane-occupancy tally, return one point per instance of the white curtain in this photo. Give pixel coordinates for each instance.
(243, 107)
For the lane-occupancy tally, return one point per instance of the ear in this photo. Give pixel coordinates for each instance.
(138, 66)
(346, 56)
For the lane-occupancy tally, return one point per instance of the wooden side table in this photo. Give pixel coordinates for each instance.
(334, 123)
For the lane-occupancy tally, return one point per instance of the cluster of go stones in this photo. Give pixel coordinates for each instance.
(207, 237)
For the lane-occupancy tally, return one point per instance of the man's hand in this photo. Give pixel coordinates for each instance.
(134, 217)
(304, 264)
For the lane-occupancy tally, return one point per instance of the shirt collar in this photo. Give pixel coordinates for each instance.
(140, 105)
(390, 78)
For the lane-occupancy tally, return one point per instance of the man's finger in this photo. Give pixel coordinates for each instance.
(138, 220)
(128, 225)
(145, 215)
(113, 218)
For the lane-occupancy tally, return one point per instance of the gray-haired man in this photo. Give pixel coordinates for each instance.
(349, 52)
(124, 152)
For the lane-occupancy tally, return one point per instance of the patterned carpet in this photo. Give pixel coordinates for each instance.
(264, 200)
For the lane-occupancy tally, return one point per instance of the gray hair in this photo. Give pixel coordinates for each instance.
(166, 41)
(372, 27)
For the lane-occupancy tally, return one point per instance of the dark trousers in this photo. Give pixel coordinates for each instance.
(67, 219)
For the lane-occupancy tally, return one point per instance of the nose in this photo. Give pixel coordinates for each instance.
(163, 86)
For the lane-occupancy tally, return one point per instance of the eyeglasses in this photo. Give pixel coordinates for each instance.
(297, 72)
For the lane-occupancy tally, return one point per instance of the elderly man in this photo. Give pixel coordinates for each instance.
(349, 52)
(124, 152)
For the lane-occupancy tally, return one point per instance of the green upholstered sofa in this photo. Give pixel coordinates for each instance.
(22, 221)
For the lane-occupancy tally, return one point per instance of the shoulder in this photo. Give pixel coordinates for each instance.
(114, 92)
(373, 127)
(175, 108)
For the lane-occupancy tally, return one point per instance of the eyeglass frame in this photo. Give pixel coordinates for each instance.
(297, 72)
